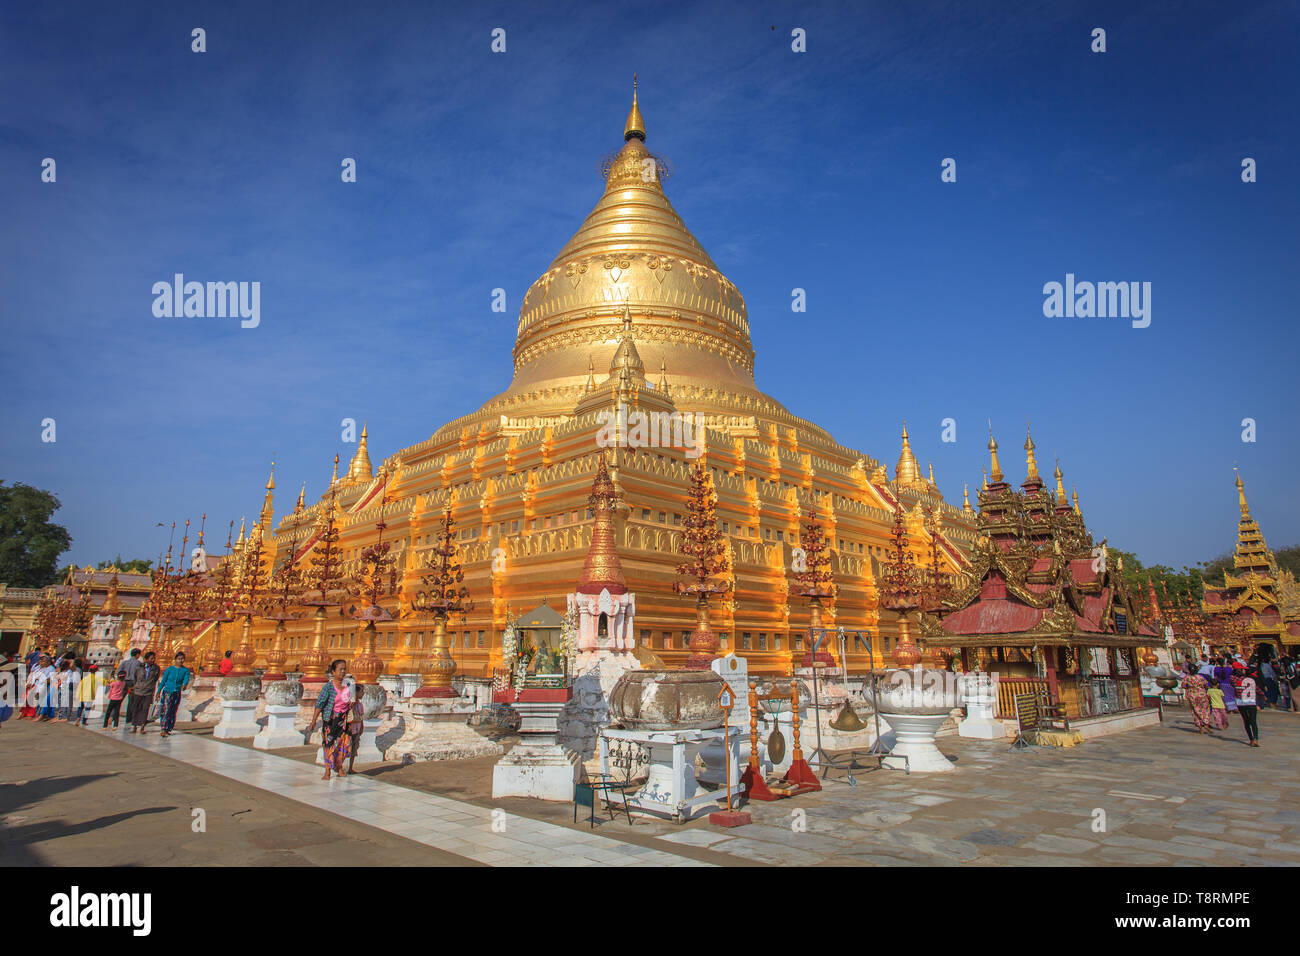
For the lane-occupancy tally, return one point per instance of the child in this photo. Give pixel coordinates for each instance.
(1218, 708)
(356, 723)
(116, 692)
(86, 693)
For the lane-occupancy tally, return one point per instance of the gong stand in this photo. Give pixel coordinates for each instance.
(800, 777)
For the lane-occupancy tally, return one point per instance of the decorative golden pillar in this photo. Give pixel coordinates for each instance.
(314, 662)
(439, 668)
(367, 665)
(276, 656)
(907, 654)
(211, 666)
(703, 643)
(244, 655)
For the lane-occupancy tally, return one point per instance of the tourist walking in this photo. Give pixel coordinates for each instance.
(1196, 693)
(1249, 712)
(356, 723)
(142, 691)
(334, 708)
(170, 687)
(1289, 683)
(1223, 674)
(1218, 710)
(132, 664)
(116, 691)
(1268, 674)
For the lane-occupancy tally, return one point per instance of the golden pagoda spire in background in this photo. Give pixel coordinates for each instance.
(995, 470)
(1075, 494)
(268, 503)
(663, 376)
(334, 478)
(907, 471)
(591, 375)
(1241, 494)
(1031, 463)
(360, 469)
(1060, 486)
(965, 498)
(932, 484)
(635, 123)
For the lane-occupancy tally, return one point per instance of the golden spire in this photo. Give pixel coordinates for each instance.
(626, 356)
(334, 479)
(931, 467)
(591, 375)
(1060, 487)
(635, 124)
(995, 470)
(965, 498)
(602, 568)
(240, 540)
(302, 498)
(985, 485)
(1241, 494)
(360, 469)
(1031, 463)
(1076, 503)
(663, 376)
(268, 503)
(907, 471)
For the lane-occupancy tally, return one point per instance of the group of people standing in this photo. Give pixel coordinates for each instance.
(1216, 686)
(66, 690)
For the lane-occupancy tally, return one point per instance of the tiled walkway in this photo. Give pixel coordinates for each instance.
(440, 822)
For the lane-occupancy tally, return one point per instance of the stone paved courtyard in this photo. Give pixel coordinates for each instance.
(1169, 797)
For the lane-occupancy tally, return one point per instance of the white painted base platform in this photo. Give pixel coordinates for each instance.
(280, 729)
(914, 739)
(238, 719)
(545, 772)
(981, 728)
(436, 730)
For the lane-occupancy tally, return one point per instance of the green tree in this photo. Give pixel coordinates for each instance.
(30, 544)
(135, 565)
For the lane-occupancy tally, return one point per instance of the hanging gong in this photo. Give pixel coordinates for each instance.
(776, 740)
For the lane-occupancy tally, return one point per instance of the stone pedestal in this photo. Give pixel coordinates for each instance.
(980, 697)
(202, 702)
(367, 748)
(392, 685)
(671, 789)
(538, 767)
(238, 719)
(436, 729)
(587, 712)
(239, 696)
(914, 739)
(410, 684)
(280, 729)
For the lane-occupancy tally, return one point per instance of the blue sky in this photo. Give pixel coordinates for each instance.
(817, 170)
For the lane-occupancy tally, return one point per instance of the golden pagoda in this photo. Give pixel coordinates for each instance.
(1251, 595)
(632, 288)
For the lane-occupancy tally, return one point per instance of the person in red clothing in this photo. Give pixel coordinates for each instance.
(227, 664)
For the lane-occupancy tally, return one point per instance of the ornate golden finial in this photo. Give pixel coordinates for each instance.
(1060, 487)
(268, 503)
(602, 568)
(302, 498)
(360, 469)
(1031, 463)
(334, 479)
(1241, 494)
(635, 124)
(1075, 493)
(907, 471)
(995, 470)
(270, 481)
(930, 465)
(984, 486)
(965, 498)
(240, 540)
(663, 376)
(591, 375)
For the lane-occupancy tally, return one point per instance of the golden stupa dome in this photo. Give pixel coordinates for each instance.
(633, 252)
